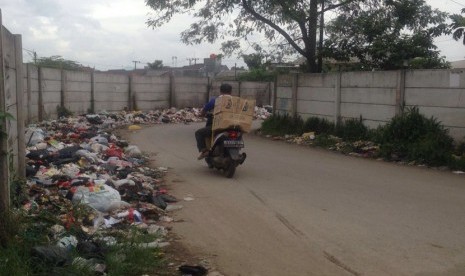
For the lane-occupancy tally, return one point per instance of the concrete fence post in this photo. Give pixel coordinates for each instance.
(172, 91)
(92, 92)
(400, 92)
(41, 94)
(21, 169)
(5, 175)
(295, 87)
(130, 93)
(63, 88)
(337, 98)
(239, 87)
(29, 93)
(275, 95)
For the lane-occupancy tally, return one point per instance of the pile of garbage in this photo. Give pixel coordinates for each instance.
(358, 148)
(263, 112)
(94, 183)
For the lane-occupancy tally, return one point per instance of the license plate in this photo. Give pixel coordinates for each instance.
(233, 143)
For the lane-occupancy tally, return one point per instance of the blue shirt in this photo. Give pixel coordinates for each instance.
(209, 107)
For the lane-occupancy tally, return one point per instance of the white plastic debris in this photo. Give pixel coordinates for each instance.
(69, 242)
(133, 151)
(34, 136)
(102, 198)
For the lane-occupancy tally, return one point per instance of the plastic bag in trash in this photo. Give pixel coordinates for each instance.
(132, 151)
(91, 157)
(55, 255)
(69, 242)
(34, 136)
(99, 139)
(100, 197)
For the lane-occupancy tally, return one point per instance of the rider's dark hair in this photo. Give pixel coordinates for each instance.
(226, 88)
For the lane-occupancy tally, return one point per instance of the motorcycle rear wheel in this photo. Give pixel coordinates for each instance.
(230, 170)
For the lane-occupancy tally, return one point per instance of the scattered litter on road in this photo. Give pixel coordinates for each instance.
(189, 198)
(193, 270)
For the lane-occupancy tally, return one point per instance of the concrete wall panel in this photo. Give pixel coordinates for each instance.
(322, 94)
(435, 79)
(451, 117)
(317, 80)
(369, 95)
(435, 97)
(305, 116)
(78, 107)
(284, 92)
(260, 91)
(285, 80)
(76, 76)
(110, 106)
(368, 111)
(152, 105)
(315, 108)
(151, 88)
(284, 104)
(51, 74)
(78, 97)
(152, 97)
(386, 79)
(457, 133)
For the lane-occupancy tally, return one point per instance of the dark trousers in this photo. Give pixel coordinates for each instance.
(201, 135)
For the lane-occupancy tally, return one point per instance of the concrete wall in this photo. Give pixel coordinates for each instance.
(261, 91)
(190, 92)
(371, 95)
(77, 91)
(376, 96)
(111, 92)
(45, 89)
(151, 92)
(12, 142)
(50, 88)
(441, 94)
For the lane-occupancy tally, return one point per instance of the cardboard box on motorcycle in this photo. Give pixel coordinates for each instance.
(233, 111)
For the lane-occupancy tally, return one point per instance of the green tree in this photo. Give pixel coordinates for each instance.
(157, 64)
(58, 62)
(458, 26)
(290, 26)
(387, 35)
(253, 61)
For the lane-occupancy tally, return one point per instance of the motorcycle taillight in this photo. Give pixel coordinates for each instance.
(233, 134)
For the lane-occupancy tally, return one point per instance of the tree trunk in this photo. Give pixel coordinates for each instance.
(312, 32)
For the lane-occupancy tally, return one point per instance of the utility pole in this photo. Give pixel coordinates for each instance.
(33, 53)
(192, 59)
(174, 59)
(135, 64)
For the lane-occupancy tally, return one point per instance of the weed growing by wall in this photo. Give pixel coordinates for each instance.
(407, 137)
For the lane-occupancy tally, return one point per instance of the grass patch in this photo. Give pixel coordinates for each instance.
(408, 137)
(21, 232)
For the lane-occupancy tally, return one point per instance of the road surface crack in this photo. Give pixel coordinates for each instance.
(337, 262)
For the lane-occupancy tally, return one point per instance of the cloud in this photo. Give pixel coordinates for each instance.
(111, 34)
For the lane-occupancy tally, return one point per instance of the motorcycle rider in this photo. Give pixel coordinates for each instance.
(205, 132)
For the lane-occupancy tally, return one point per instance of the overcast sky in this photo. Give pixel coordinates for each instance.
(111, 34)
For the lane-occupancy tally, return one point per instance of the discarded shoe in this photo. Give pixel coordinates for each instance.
(196, 270)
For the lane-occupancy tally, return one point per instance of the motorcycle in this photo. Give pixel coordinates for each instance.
(225, 153)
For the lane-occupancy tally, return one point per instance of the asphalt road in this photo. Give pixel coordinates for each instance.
(293, 210)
